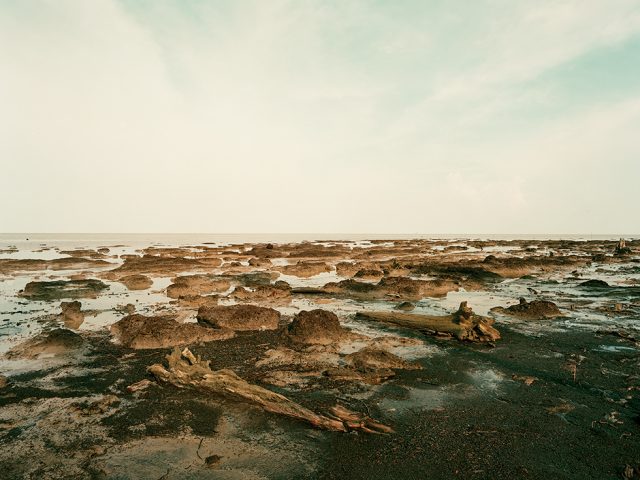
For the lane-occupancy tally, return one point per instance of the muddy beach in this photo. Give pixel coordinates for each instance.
(333, 359)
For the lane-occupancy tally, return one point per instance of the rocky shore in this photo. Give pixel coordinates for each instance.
(330, 360)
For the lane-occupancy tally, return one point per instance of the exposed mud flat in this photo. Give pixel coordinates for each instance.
(328, 359)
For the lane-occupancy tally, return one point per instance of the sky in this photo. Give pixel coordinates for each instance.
(345, 116)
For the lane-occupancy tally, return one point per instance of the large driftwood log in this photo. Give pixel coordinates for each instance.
(463, 324)
(186, 370)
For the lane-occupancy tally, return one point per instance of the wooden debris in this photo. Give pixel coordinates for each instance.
(463, 324)
(186, 370)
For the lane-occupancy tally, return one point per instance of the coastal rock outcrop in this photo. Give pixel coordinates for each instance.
(136, 282)
(143, 332)
(190, 285)
(594, 284)
(279, 293)
(531, 310)
(396, 287)
(305, 269)
(58, 289)
(369, 359)
(54, 343)
(239, 317)
(72, 314)
(316, 327)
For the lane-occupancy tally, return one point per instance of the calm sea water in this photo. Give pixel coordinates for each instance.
(28, 241)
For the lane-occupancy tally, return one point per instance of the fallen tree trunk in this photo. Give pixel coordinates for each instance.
(185, 370)
(463, 324)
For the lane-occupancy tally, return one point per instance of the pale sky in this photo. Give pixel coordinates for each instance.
(494, 116)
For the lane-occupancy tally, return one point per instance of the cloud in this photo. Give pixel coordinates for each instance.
(304, 116)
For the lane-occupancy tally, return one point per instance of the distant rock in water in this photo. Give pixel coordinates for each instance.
(595, 284)
(622, 249)
(136, 282)
(72, 314)
(405, 306)
(58, 289)
(531, 310)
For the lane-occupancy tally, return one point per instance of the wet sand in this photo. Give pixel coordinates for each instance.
(551, 398)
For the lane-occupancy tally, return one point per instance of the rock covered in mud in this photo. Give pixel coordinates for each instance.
(398, 287)
(305, 269)
(136, 282)
(594, 284)
(143, 332)
(72, 314)
(190, 285)
(239, 317)
(531, 310)
(316, 327)
(410, 288)
(58, 289)
(11, 265)
(164, 264)
(370, 358)
(279, 292)
(53, 343)
(259, 262)
(369, 274)
(405, 306)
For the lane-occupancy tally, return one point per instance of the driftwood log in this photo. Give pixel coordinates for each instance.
(186, 370)
(463, 324)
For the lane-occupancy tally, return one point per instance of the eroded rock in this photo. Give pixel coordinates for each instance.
(191, 285)
(136, 282)
(405, 306)
(142, 332)
(164, 264)
(280, 293)
(54, 343)
(239, 317)
(305, 269)
(316, 327)
(72, 314)
(594, 284)
(531, 310)
(10, 265)
(395, 287)
(369, 359)
(58, 289)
